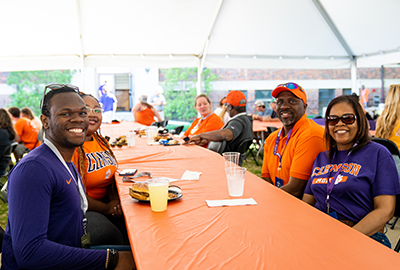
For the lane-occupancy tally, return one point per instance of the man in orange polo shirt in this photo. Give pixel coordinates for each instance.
(291, 150)
(26, 133)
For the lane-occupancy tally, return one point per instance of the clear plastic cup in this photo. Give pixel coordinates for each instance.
(231, 159)
(235, 177)
(130, 138)
(151, 132)
(158, 191)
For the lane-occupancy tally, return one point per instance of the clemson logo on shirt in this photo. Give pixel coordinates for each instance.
(68, 181)
(108, 173)
(339, 179)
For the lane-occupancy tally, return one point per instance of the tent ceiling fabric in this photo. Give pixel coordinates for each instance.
(53, 34)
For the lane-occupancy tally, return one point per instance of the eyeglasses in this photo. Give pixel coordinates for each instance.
(291, 86)
(347, 118)
(226, 104)
(95, 111)
(57, 86)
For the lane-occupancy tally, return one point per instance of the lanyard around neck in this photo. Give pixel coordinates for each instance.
(284, 148)
(198, 123)
(82, 196)
(331, 184)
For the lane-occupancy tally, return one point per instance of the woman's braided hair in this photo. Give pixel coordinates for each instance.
(101, 141)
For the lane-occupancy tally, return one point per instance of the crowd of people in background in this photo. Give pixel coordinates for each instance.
(335, 168)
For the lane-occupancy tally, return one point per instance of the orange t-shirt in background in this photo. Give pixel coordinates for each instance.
(145, 117)
(211, 123)
(305, 143)
(27, 133)
(100, 167)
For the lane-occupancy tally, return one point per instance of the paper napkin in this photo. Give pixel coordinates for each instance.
(188, 175)
(230, 202)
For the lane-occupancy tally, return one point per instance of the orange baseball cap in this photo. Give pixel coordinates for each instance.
(296, 89)
(236, 98)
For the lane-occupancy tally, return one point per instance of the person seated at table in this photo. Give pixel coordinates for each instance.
(289, 152)
(208, 121)
(388, 123)
(265, 114)
(7, 136)
(238, 129)
(221, 111)
(97, 164)
(144, 113)
(26, 133)
(363, 177)
(27, 113)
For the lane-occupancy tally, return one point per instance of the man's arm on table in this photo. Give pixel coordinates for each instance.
(295, 186)
(214, 136)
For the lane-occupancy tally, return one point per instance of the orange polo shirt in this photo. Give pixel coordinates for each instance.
(145, 117)
(100, 167)
(305, 143)
(211, 123)
(27, 132)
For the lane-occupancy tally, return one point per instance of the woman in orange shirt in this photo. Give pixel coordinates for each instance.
(97, 164)
(208, 121)
(144, 113)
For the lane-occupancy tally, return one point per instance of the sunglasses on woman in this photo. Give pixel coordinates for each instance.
(57, 86)
(347, 118)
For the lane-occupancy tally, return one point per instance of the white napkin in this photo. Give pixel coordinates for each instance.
(230, 202)
(188, 175)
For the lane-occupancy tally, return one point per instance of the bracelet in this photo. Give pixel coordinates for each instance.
(112, 261)
(108, 256)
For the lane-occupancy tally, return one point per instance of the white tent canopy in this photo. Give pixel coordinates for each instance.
(73, 34)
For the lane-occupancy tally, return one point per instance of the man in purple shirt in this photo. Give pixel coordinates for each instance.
(47, 203)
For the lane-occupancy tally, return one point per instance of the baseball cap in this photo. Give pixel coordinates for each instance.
(159, 89)
(259, 103)
(296, 90)
(143, 98)
(236, 98)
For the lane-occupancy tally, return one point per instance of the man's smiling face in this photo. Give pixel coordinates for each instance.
(68, 122)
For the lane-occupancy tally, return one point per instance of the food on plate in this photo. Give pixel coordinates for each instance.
(140, 191)
(172, 142)
(161, 137)
(142, 132)
(119, 142)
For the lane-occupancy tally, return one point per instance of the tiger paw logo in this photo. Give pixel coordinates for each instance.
(68, 181)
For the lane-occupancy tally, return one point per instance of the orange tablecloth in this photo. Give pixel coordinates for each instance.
(280, 232)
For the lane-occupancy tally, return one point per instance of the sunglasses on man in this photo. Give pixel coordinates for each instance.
(57, 86)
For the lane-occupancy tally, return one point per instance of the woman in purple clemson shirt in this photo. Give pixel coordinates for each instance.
(363, 179)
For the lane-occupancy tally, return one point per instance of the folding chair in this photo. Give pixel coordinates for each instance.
(392, 147)
(6, 155)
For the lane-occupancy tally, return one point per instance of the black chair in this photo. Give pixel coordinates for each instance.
(177, 130)
(392, 147)
(6, 155)
(160, 123)
(242, 149)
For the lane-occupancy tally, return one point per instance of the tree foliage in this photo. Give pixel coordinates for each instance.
(180, 91)
(29, 86)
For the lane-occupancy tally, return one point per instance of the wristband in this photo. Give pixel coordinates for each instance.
(112, 259)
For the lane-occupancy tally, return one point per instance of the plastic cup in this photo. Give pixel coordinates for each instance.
(151, 132)
(158, 191)
(231, 159)
(235, 177)
(130, 138)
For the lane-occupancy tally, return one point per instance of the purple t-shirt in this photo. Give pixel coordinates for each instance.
(367, 173)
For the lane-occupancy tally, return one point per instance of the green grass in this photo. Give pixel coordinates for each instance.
(251, 166)
(3, 214)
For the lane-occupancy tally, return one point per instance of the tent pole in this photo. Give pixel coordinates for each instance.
(353, 71)
(199, 72)
(82, 55)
